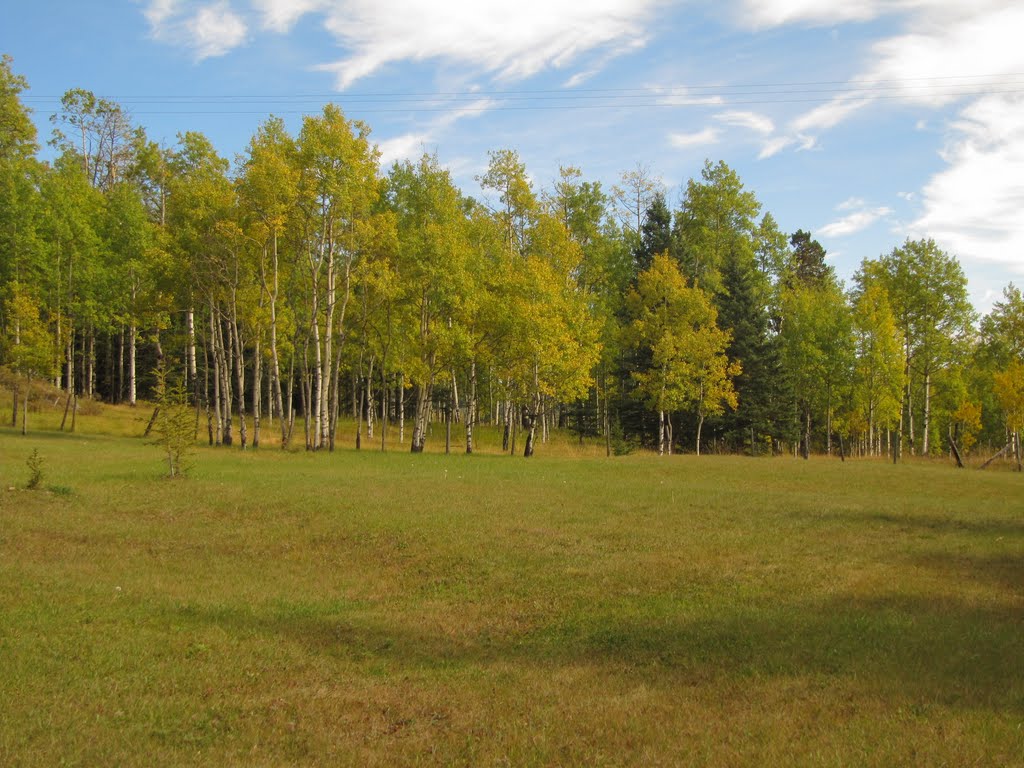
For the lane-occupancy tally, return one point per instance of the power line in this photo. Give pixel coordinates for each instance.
(813, 86)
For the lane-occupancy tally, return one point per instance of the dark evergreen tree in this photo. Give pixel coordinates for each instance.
(655, 235)
(762, 415)
(808, 266)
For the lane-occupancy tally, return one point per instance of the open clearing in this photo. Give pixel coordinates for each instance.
(389, 609)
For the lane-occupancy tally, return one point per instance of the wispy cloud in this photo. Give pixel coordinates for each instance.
(281, 15)
(509, 40)
(859, 218)
(208, 30)
(749, 120)
(761, 14)
(409, 146)
(689, 140)
(947, 52)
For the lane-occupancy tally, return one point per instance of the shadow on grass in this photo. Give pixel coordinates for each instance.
(983, 526)
(938, 651)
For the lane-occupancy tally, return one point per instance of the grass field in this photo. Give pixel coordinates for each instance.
(388, 609)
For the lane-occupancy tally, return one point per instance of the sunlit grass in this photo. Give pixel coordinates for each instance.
(389, 609)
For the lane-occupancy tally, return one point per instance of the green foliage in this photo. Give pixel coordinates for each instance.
(678, 324)
(717, 221)
(304, 270)
(35, 470)
(175, 428)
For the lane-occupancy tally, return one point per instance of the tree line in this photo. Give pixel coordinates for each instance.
(305, 285)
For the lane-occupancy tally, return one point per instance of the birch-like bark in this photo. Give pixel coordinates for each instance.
(925, 442)
(132, 336)
(238, 354)
(419, 431)
(257, 393)
(190, 352)
(401, 409)
(471, 407)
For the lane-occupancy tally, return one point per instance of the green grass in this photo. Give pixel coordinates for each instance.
(387, 609)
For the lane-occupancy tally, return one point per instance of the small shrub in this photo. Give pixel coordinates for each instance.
(174, 425)
(621, 446)
(35, 470)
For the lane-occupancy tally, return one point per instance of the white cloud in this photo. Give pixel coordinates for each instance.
(411, 146)
(408, 146)
(860, 218)
(159, 11)
(281, 15)
(209, 30)
(975, 207)
(699, 139)
(683, 97)
(949, 52)
(512, 40)
(750, 120)
(579, 78)
(828, 115)
(215, 30)
(773, 146)
(775, 13)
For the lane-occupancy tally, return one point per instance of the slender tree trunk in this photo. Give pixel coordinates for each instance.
(369, 402)
(90, 374)
(506, 434)
(828, 423)
(661, 433)
(471, 410)
(385, 398)
(456, 410)
(328, 357)
(401, 409)
(24, 405)
(257, 393)
(419, 431)
(448, 415)
(700, 427)
(69, 361)
(239, 359)
(335, 398)
(132, 383)
(531, 434)
(218, 394)
(926, 442)
(14, 411)
(120, 367)
(190, 350)
(359, 413)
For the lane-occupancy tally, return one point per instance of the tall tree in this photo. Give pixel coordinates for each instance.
(880, 363)
(268, 191)
(717, 220)
(928, 293)
(689, 368)
(339, 188)
(432, 253)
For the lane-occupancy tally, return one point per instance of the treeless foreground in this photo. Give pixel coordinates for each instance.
(388, 609)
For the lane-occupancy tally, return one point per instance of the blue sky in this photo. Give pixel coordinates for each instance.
(865, 123)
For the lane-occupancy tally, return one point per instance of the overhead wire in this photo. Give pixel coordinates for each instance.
(677, 96)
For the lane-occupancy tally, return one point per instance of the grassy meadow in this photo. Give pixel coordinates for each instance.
(380, 609)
